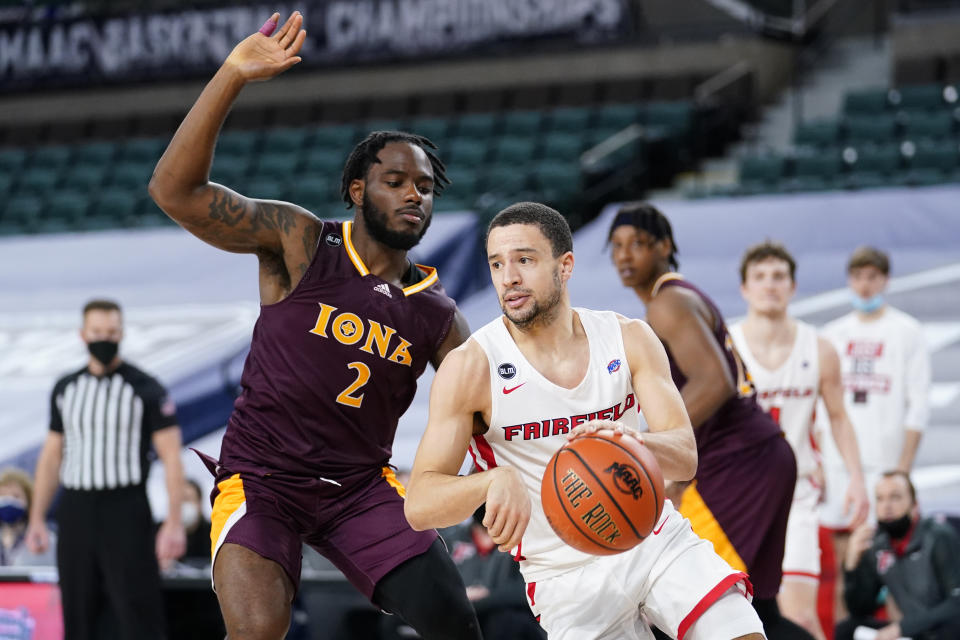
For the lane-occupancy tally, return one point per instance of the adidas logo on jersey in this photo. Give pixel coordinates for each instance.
(383, 288)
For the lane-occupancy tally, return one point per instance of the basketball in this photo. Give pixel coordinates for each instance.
(602, 493)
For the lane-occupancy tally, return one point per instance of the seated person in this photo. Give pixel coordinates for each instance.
(195, 523)
(916, 559)
(16, 496)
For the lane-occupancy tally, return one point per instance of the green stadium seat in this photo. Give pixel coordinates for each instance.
(464, 184)
(275, 165)
(675, 117)
(143, 150)
(50, 157)
(817, 133)
(39, 180)
(86, 177)
(518, 151)
(504, 180)
(933, 163)
(475, 125)
(881, 129)
(133, 175)
(6, 184)
(22, 211)
(920, 96)
(866, 101)
(618, 116)
(114, 203)
(266, 189)
(229, 170)
(827, 165)
(522, 123)
(240, 143)
(339, 138)
(380, 124)
(447, 203)
(95, 152)
(284, 140)
(761, 170)
(922, 125)
(68, 207)
(101, 222)
(435, 129)
(872, 166)
(313, 192)
(563, 146)
(557, 181)
(569, 119)
(467, 151)
(12, 160)
(324, 162)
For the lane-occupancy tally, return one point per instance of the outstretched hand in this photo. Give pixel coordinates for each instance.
(270, 51)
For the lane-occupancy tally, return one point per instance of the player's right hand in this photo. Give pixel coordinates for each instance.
(508, 508)
(261, 57)
(860, 540)
(37, 537)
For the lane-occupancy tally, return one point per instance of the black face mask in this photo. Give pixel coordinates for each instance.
(104, 350)
(898, 528)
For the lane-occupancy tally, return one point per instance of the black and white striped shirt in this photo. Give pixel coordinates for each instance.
(106, 424)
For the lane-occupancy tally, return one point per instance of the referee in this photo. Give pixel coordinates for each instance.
(103, 419)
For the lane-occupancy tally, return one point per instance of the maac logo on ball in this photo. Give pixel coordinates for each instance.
(507, 370)
(626, 479)
(334, 240)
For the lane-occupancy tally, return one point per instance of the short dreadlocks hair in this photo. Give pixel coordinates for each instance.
(646, 217)
(365, 154)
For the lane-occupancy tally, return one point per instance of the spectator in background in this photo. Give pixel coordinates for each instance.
(103, 419)
(885, 368)
(16, 492)
(916, 559)
(195, 522)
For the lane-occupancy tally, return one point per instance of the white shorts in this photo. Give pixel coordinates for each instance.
(801, 556)
(671, 579)
(832, 514)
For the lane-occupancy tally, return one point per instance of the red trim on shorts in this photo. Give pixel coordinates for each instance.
(802, 574)
(474, 456)
(531, 587)
(485, 451)
(712, 596)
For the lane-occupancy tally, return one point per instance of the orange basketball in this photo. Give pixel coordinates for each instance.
(602, 492)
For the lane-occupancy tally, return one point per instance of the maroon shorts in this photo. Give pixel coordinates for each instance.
(357, 522)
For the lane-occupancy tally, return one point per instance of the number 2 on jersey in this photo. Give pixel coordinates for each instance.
(363, 376)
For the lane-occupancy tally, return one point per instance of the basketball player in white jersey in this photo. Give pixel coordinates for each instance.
(538, 375)
(791, 368)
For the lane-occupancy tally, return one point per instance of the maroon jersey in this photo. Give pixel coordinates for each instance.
(739, 424)
(333, 366)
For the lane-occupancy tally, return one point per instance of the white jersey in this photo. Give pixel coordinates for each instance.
(530, 417)
(789, 393)
(886, 379)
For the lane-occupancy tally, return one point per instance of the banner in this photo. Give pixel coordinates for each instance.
(68, 50)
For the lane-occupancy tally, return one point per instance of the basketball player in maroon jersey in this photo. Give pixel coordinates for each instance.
(347, 324)
(741, 496)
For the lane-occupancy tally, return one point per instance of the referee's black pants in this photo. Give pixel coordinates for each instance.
(107, 562)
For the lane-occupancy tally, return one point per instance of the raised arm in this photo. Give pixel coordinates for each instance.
(437, 496)
(856, 502)
(678, 319)
(670, 438)
(180, 184)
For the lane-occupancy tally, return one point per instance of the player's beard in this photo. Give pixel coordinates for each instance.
(541, 312)
(376, 222)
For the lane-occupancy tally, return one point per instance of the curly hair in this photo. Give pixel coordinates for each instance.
(365, 154)
(646, 217)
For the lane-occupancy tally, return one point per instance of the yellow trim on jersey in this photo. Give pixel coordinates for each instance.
(423, 284)
(694, 509)
(230, 498)
(387, 472)
(351, 251)
(669, 275)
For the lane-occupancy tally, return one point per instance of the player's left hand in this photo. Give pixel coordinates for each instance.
(171, 544)
(856, 504)
(889, 632)
(605, 425)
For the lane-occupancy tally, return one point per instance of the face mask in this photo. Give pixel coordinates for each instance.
(866, 305)
(104, 350)
(190, 514)
(898, 528)
(12, 510)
